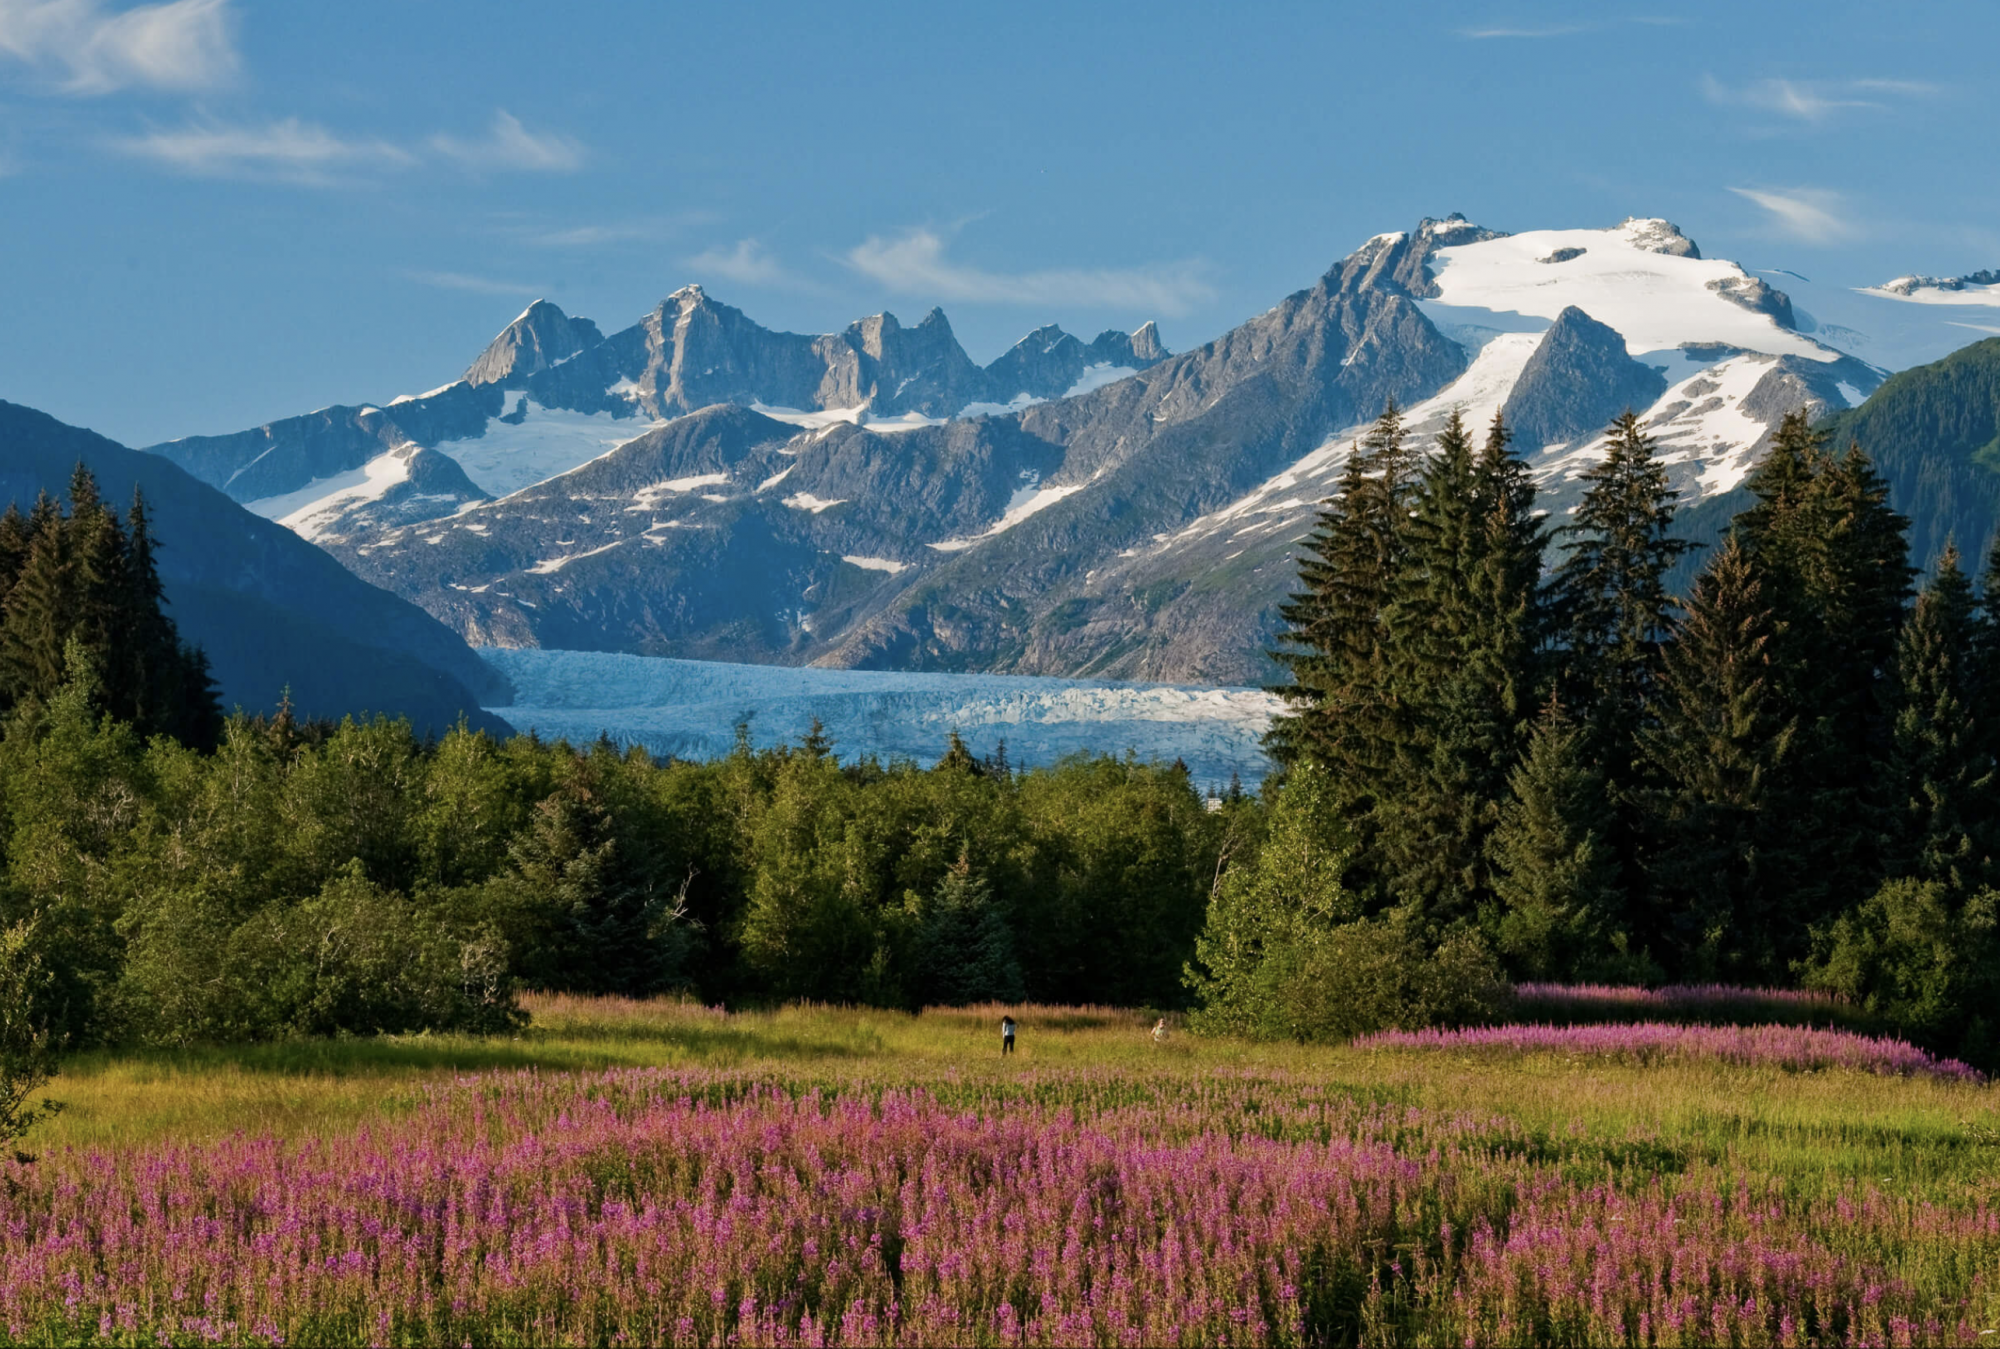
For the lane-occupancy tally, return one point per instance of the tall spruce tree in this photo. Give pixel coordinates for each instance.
(1333, 639)
(1831, 560)
(1943, 808)
(1556, 876)
(41, 611)
(1615, 613)
(1724, 865)
(1464, 636)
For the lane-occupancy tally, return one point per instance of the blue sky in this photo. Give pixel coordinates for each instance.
(217, 212)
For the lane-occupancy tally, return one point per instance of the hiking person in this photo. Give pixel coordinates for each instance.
(1160, 1031)
(1006, 1035)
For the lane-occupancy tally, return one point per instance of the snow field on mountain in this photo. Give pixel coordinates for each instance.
(1656, 301)
(550, 442)
(316, 507)
(1697, 424)
(691, 709)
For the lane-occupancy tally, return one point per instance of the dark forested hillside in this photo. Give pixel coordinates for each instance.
(270, 610)
(1934, 433)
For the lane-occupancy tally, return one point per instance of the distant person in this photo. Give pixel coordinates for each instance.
(1006, 1035)
(1160, 1031)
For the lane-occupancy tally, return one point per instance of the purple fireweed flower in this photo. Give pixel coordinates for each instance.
(1794, 1047)
(715, 1207)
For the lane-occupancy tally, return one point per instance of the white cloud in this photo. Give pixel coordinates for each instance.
(509, 145)
(1813, 100)
(301, 152)
(185, 45)
(289, 150)
(1811, 214)
(747, 262)
(478, 285)
(915, 263)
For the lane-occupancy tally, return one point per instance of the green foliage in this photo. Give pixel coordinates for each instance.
(1922, 962)
(28, 1043)
(1940, 770)
(964, 948)
(1466, 627)
(1830, 558)
(1725, 863)
(1556, 876)
(1287, 952)
(85, 578)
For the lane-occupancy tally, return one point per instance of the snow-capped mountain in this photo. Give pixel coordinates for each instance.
(699, 486)
(551, 393)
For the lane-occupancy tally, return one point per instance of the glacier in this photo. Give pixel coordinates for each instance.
(690, 709)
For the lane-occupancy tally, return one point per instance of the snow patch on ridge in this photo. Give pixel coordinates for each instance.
(547, 444)
(1025, 502)
(312, 510)
(549, 566)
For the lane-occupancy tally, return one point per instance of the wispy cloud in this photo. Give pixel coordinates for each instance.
(295, 151)
(1813, 215)
(185, 45)
(509, 145)
(592, 236)
(1503, 31)
(915, 263)
(746, 261)
(1814, 100)
(478, 285)
(288, 150)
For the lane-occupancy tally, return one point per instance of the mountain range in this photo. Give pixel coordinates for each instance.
(697, 485)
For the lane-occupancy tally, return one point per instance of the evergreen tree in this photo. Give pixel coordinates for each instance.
(1556, 874)
(1830, 559)
(964, 948)
(1940, 769)
(1723, 867)
(40, 611)
(585, 916)
(14, 541)
(958, 758)
(1615, 614)
(1332, 643)
(1464, 634)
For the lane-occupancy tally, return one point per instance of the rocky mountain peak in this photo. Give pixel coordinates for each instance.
(1658, 236)
(1146, 343)
(538, 339)
(1579, 378)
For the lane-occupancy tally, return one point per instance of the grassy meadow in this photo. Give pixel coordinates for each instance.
(1537, 1197)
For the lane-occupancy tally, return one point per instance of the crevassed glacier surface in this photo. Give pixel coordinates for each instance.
(690, 709)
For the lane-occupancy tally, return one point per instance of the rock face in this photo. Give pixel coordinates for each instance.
(1578, 380)
(541, 337)
(1759, 298)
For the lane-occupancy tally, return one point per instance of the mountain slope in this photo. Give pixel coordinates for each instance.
(1934, 432)
(270, 609)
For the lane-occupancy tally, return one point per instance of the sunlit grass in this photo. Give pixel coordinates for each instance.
(1812, 1128)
